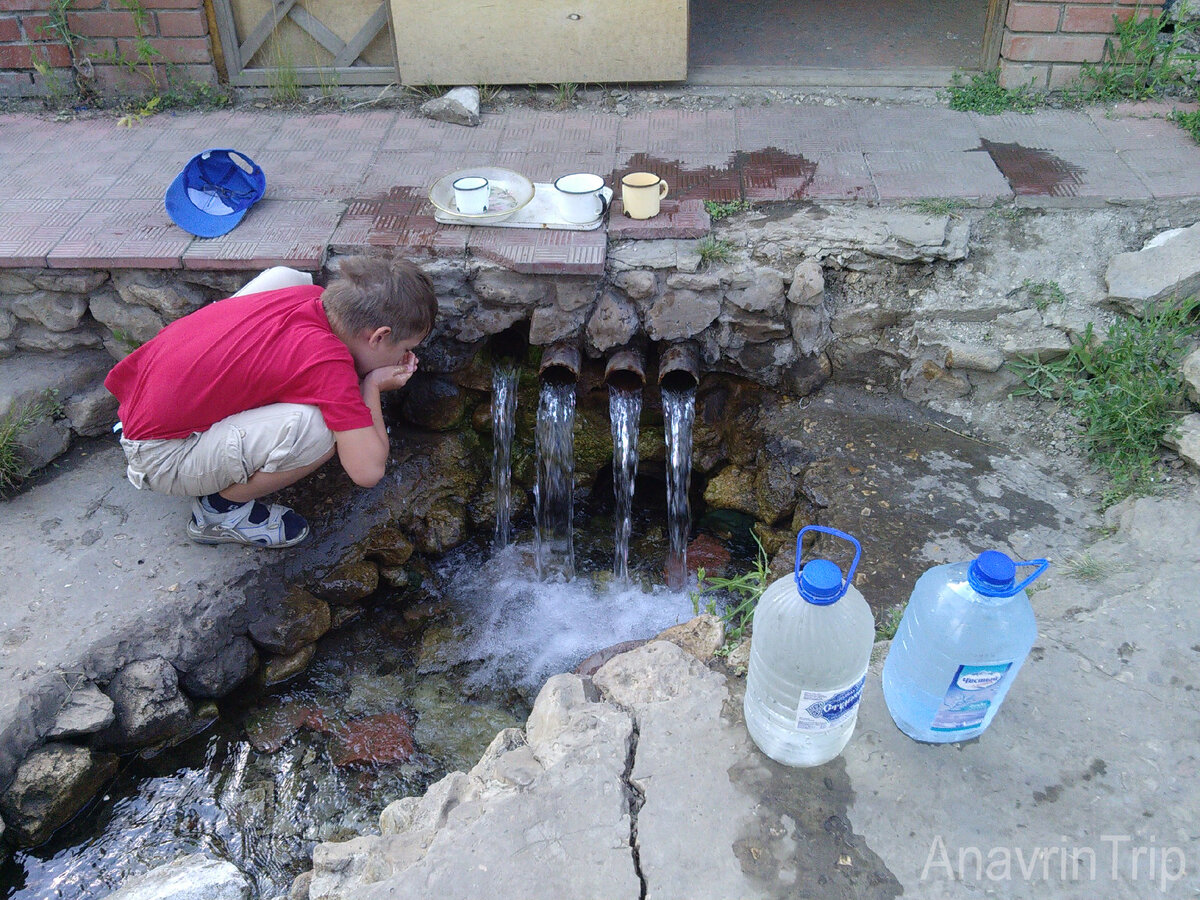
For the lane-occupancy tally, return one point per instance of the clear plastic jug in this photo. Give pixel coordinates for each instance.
(810, 645)
(964, 635)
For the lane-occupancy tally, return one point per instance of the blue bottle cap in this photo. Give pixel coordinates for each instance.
(992, 574)
(820, 582)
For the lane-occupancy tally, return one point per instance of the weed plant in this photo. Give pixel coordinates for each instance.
(888, 622)
(1142, 59)
(1189, 122)
(939, 206)
(717, 210)
(733, 599)
(1127, 390)
(14, 423)
(713, 250)
(1044, 294)
(983, 94)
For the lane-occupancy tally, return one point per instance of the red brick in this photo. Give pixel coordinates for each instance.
(16, 56)
(174, 50)
(182, 23)
(23, 5)
(1096, 19)
(1032, 17)
(1052, 48)
(172, 4)
(37, 27)
(10, 30)
(102, 23)
(1064, 75)
(1014, 76)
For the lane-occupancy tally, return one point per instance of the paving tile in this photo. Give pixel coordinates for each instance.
(909, 175)
(134, 234)
(913, 129)
(675, 219)
(314, 174)
(542, 251)
(274, 233)
(797, 129)
(1127, 133)
(149, 176)
(685, 182)
(30, 229)
(769, 175)
(391, 169)
(1042, 129)
(545, 167)
(1067, 177)
(1167, 172)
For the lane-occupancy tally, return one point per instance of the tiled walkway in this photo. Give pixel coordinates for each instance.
(89, 193)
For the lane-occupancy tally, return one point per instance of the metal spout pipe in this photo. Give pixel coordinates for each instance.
(679, 367)
(560, 363)
(626, 369)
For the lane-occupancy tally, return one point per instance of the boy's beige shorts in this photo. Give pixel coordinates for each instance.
(275, 438)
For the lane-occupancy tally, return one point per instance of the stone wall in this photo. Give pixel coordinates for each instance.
(882, 296)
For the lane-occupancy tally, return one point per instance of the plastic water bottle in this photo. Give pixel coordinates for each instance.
(964, 634)
(810, 645)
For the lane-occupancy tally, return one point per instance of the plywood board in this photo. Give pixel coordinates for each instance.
(540, 41)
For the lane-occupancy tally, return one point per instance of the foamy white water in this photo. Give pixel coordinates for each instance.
(522, 630)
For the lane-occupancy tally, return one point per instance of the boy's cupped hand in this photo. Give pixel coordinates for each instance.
(389, 378)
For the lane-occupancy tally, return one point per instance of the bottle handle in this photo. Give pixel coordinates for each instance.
(1042, 565)
(857, 553)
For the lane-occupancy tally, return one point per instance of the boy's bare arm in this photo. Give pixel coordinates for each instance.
(363, 452)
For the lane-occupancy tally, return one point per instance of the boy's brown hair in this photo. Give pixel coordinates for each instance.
(369, 293)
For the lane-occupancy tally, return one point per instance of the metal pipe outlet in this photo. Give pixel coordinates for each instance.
(679, 367)
(626, 369)
(560, 363)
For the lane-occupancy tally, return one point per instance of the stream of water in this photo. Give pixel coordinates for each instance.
(553, 497)
(504, 426)
(625, 411)
(679, 413)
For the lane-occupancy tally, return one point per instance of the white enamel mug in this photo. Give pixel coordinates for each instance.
(471, 194)
(581, 197)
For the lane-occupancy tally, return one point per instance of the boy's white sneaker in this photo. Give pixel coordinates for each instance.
(234, 527)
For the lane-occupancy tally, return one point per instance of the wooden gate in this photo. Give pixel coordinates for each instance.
(315, 42)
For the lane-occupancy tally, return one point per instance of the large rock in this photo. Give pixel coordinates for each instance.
(86, 710)
(25, 378)
(91, 412)
(351, 581)
(147, 702)
(132, 324)
(1167, 268)
(293, 621)
(1186, 440)
(681, 314)
(549, 324)
(614, 322)
(194, 877)
(163, 291)
(54, 311)
(458, 107)
(221, 671)
(545, 814)
(50, 787)
(1190, 370)
(757, 290)
(433, 402)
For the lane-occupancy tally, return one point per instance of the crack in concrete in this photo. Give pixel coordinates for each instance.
(636, 800)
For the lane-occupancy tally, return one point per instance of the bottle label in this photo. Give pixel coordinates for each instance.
(822, 710)
(971, 692)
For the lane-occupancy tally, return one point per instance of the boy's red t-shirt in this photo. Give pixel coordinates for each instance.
(238, 354)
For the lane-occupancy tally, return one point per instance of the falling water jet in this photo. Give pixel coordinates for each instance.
(553, 495)
(625, 375)
(504, 423)
(678, 375)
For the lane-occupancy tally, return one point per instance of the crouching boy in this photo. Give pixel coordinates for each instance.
(250, 394)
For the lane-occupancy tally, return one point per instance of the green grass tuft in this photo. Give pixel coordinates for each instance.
(14, 423)
(983, 94)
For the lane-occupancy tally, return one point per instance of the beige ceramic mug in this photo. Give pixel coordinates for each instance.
(641, 193)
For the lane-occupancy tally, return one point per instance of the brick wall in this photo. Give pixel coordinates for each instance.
(107, 32)
(1046, 42)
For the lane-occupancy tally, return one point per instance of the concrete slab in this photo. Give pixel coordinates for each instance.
(33, 228)
(292, 233)
(1051, 128)
(804, 130)
(905, 175)
(122, 234)
(913, 129)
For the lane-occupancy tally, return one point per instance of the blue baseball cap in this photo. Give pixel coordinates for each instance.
(213, 192)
